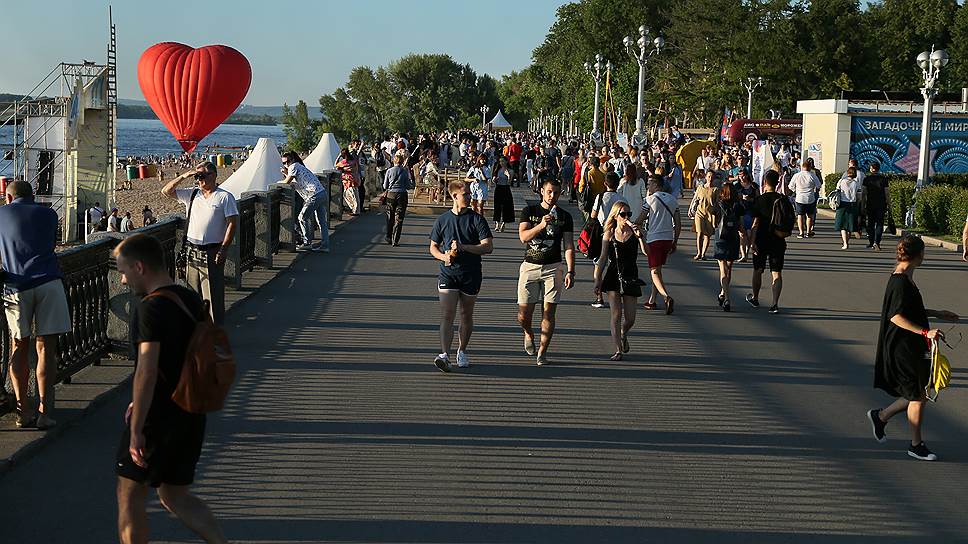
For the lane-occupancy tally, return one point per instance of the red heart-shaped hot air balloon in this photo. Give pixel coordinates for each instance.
(193, 90)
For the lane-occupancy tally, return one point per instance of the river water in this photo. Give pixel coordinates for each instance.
(139, 137)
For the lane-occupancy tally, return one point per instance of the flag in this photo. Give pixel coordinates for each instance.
(724, 126)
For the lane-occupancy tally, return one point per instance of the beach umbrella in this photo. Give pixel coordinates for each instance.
(192, 91)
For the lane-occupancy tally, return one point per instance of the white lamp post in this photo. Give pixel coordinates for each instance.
(931, 64)
(599, 65)
(751, 85)
(484, 110)
(645, 50)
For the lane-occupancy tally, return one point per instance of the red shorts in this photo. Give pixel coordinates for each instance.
(659, 252)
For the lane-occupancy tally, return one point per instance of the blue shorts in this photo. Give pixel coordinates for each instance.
(468, 283)
(806, 209)
(748, 221)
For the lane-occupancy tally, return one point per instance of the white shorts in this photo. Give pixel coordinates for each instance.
(478, 191)
(41, 311)
(537, 280)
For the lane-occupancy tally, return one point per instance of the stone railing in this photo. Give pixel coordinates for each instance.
(101, 306)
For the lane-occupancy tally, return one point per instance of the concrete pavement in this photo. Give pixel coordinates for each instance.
(739, 427)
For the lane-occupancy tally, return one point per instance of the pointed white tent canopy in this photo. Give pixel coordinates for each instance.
(323, 158)
(258, 172)
(499, 122)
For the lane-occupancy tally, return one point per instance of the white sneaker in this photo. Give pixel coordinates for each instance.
(304, 247)
(462, 361)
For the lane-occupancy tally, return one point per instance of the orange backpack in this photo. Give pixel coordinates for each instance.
(209, 368)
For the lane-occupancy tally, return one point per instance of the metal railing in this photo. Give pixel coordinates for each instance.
(100, 306)
(246, 234)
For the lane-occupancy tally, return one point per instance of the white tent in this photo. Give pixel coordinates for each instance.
(258, 172)
(499, 122)
(323, 158)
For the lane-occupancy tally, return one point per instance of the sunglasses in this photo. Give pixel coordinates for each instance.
(624, 214)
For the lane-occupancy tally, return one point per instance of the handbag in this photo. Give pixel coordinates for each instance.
(383, 198)
(940, 374)
(181, 261)
(891, 226)
(590, 239)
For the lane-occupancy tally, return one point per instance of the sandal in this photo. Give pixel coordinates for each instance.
(722, 299)
(669, 303)
(649, 305)
(625, 344)
(617, 356)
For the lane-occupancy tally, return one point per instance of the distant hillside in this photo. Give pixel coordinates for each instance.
(128, 111)
(271, 111)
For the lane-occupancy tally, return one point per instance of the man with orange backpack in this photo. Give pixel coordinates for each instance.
(162, 440)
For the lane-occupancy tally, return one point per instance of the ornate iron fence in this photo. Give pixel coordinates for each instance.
(246, 234)
(100, 306)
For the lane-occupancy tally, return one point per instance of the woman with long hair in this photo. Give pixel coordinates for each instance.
(633, 190)
(348, 167)
(901, 364)
(621, 243)
(746, 193)
(726, 251)
(705, 209)
(503, 200)
(478, 176)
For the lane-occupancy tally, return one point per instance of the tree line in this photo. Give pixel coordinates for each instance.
(802, 50)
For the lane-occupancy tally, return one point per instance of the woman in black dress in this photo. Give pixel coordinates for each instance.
(901, 365)
(621, 243)
(730, 215)
(503, 200)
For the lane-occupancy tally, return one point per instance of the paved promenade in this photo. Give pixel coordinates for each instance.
(741, 427)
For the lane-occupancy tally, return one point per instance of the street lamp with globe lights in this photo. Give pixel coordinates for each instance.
(595, 70)
(484, 110)
(645, 50)
(931, 64)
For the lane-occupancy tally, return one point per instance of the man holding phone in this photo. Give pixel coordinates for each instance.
(458, 239)
(212, 220)
(546, 229)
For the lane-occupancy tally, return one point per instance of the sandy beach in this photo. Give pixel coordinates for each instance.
(148, 192)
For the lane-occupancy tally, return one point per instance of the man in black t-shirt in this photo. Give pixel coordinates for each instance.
(552, 159)
(876, 199)
(767, 246)
(161, 443)
(458, 239)
(546, 229)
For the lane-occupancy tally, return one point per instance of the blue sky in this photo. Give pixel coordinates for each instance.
(298, 49)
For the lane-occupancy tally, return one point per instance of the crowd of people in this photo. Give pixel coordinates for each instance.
(629, 201)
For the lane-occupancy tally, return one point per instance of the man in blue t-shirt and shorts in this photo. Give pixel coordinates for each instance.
(458, 239)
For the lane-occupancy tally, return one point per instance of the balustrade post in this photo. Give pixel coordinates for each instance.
(287, 217)
(263, 227)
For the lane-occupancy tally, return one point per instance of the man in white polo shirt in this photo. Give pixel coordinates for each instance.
(212, 220)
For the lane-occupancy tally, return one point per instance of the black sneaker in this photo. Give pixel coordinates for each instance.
(877, 426)
(442, 362)
(753, 302)
(922, 452)
(774, 309)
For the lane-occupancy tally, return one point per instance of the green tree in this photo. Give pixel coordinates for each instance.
(900, 30)
(300, 130)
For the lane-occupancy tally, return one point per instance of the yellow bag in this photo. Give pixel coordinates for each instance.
(940, 373)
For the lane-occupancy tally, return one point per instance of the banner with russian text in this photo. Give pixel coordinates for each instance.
(894, 142)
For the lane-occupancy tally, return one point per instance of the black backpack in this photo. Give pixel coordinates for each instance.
(783, 218)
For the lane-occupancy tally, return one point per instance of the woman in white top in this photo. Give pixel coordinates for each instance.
(315, 202)
(847, 210)
(478, 175)
(634, 191)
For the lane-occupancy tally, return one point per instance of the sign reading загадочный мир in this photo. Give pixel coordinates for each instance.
(894, 143)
